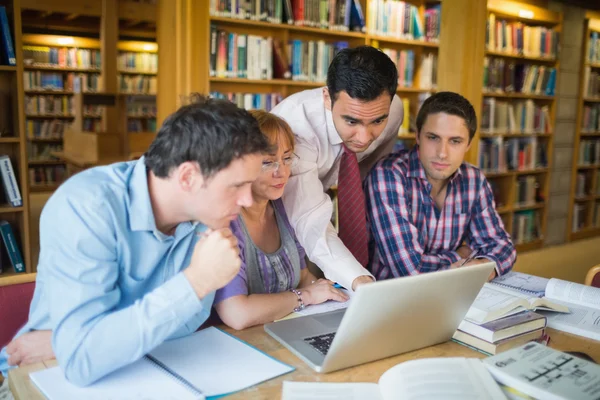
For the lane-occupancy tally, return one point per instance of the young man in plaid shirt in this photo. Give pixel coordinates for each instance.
(428, 210)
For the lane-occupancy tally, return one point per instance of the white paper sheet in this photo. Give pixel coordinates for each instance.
(138, 381)
(329, 391)
(217, 363)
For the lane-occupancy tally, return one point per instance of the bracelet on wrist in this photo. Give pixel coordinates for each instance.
(300, 302)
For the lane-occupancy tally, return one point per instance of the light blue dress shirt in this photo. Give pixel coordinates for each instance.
(109, 284)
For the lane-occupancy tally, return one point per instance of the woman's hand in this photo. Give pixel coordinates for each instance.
(320, 291)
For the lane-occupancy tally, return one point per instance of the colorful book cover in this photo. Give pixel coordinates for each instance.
(10, 244)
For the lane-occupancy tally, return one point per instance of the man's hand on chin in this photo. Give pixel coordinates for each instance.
(361, 280)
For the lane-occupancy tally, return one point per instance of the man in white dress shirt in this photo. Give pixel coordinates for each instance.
(356, 115)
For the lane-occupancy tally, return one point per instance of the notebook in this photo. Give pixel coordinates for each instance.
(530, 284)
(203, 365)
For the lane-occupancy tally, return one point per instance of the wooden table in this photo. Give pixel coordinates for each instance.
(24, 389)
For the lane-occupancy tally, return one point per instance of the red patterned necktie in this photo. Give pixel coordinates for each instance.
(351, 208)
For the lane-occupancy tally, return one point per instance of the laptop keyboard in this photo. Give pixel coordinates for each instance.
(321, 342)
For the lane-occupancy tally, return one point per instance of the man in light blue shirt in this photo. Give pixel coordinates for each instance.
(132, 253)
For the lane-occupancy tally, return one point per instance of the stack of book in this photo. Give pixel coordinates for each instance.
(501, 316)
(502, 334)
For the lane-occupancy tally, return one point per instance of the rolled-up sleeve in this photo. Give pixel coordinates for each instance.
(487, 233)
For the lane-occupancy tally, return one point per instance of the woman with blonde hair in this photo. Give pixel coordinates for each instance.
(273, 280)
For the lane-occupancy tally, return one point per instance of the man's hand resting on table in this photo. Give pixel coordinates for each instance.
(30, 348)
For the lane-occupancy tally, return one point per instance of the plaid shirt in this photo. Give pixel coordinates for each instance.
(408, 238)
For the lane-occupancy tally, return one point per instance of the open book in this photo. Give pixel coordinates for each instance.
(584, 305)
(545, 373)
(495, 302)
(208, 363)
(429, 378)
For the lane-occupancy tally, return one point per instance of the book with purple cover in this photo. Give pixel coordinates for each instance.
(506, 327)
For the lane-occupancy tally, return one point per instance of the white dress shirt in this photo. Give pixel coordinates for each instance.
(319, 148)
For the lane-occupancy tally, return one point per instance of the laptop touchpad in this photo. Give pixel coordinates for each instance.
(330, 320)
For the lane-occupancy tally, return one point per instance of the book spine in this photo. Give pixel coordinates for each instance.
(9, 181)
(10, 244)
(7, 37)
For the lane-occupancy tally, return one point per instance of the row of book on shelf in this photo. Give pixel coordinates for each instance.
(62, 57)
(593, 50)
(137, 62)
(589, 152)
(69, 82)
(502, 76)
(43, 151)
(521, 39)
(249, 101)
(141, 125)
(523, 117)
(401, 20)
(137, 84)
(591, 82)
(590, 121)
(235, 55)
(499, 154)
(47, 175)
(397, 19)
(580, 212)
(583, 184)
(338, 15)
(59, 105)
(405, 63)
(73, 57)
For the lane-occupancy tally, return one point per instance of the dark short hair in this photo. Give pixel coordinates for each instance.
(208, 131)
(363, 72)
(449, 103)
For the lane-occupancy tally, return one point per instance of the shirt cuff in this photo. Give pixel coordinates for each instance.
(494, 260)
(453, 257)
(346, 271)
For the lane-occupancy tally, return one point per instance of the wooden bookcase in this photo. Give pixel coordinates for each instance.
(584, 205)
(507, 181)
(13, 144)
(89, 24)
(411, 94)
(47, 81)
(287, 32)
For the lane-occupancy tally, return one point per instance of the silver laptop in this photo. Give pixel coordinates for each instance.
(384, 318)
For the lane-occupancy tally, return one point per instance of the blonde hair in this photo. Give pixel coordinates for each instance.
(272, 126)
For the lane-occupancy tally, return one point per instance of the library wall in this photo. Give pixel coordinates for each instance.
(567, 93)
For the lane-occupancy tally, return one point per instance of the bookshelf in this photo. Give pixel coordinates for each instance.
(13, 144)
(56, 67)
(518, 115)
(137, 66)
(584, 205)
(299, 53)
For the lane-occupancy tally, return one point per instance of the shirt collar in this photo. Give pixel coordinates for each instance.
(332, 134)
(416, 170)
(141, 216)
